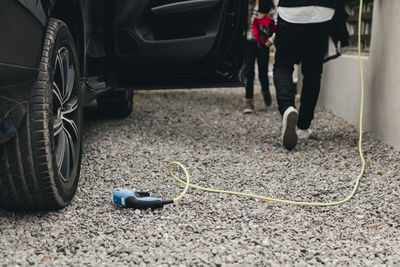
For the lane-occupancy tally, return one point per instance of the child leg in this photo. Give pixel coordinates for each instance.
(263, 63)
(250, 57)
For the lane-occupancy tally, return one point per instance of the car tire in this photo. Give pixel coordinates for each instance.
(116, 104)
(40, 166)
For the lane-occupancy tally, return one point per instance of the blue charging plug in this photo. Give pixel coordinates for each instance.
(130, 199)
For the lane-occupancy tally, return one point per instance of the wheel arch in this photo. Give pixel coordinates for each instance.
(72, 14)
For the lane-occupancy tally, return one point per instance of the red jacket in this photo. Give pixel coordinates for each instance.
(263, 29)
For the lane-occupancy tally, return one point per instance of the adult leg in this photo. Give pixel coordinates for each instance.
(287, 50)
(312, 67)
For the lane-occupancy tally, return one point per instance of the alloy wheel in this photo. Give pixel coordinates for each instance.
(65, 112)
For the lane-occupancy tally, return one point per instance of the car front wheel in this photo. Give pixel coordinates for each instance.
(40, 167)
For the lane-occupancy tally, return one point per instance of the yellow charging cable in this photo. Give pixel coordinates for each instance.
(268, 199)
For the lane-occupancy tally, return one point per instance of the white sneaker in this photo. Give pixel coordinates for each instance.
(289, 135)
(303, 134)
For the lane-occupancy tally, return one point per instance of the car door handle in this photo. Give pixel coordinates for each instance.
(192, 6)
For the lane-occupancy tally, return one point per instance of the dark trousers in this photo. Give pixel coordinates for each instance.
(252, 53)
(305, 44)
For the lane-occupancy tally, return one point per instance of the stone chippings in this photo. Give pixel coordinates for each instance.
(206, 131)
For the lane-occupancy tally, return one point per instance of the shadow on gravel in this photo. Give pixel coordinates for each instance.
(22, 215)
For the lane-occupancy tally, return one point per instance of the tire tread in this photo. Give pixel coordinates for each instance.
(26, 174)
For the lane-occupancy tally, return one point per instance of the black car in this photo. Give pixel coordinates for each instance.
(57, 55)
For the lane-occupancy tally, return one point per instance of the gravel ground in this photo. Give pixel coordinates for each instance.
(206, 131)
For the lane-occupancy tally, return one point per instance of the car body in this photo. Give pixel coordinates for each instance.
(58, 55)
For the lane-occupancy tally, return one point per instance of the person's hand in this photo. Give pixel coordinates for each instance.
(268, 43)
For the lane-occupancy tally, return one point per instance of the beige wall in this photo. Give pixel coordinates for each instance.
(341, 81)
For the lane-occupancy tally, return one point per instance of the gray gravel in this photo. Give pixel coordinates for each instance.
(206, 131)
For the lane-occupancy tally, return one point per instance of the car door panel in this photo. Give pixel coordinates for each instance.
(167, 41)
(187, 7)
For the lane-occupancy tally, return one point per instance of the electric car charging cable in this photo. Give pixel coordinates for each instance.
(130, 199)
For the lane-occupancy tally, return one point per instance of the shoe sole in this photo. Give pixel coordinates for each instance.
(290, 136)
(248, 111)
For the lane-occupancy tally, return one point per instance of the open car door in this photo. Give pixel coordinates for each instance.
(177, 43)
